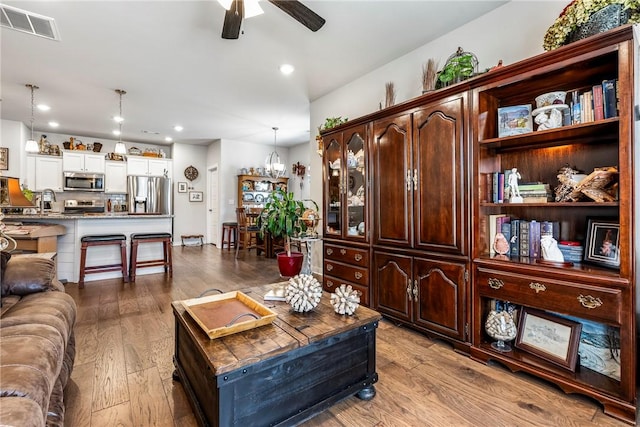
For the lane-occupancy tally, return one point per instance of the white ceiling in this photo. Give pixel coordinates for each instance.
(176, 69)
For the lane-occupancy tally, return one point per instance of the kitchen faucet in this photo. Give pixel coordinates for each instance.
(46, 190)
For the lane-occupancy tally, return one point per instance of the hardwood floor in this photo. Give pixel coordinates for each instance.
(123, 367)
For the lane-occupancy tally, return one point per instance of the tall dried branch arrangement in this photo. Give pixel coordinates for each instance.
(429, 74)
(390, 95)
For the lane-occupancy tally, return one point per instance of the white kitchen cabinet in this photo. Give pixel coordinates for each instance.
(115, 177)
(47, 173)
(148, 166)
(82, 162)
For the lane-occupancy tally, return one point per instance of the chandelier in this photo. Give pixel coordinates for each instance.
(273, 165)
(32, 145)
(120, 147)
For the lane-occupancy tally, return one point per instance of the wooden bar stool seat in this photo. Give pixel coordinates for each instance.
(229, 230)
(102, 240)
(165, 261)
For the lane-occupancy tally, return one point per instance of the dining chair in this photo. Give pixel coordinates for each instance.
(248, 232)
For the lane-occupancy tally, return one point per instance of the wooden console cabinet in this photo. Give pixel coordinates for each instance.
(430, 263)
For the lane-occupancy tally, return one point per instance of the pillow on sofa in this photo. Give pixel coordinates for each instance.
(27, 275)
(4, 259)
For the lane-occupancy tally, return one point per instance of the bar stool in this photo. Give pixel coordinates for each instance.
(102, 240)
(229, 229)
(166, 261)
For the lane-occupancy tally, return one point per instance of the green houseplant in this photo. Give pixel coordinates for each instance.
(281, 218)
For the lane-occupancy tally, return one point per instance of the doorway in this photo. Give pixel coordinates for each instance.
(213, 210)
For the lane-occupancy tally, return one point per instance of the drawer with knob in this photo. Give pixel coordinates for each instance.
(347, 255)
(330, 284)
(346, 272)
(578, 299)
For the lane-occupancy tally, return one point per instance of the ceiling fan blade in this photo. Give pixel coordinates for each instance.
(300, 13)
(233, 20)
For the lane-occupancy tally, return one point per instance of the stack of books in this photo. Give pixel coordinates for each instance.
(535, 192)
(572, 251)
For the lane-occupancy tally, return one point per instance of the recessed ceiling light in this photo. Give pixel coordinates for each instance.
(118, 119)
(43, 107)
(287, 69)
(178, 128)
(116, 132)
(54, 124)
(168, 138)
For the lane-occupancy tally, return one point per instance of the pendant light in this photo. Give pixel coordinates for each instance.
(32, 145)
(120, 147)
(272, 164)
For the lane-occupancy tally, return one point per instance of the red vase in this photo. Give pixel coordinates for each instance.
(290, 265)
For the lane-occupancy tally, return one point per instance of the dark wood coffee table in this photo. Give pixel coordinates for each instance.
(279, 374)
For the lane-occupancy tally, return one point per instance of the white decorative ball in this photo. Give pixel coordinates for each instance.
(303, 293)
(345, 300)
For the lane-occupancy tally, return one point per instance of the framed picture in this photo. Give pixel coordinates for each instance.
(602, 245)
(4, 158)
(195, 196)
(182, 187)
(552, 338)
(514, 120)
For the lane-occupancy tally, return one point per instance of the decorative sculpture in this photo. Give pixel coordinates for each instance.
(303, 293)
(345, 300)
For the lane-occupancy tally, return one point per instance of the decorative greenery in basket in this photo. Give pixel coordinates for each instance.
(578, 13)
(459, 66)
(331, 122)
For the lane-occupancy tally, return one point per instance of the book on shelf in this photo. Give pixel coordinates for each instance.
(534, 239)
(514, 241)
(550, 228)
(498, 187)
(598, 106)
(610, 98)
(505, 229)
(524, 238)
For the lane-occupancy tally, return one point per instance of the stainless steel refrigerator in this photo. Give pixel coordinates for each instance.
(149, 194)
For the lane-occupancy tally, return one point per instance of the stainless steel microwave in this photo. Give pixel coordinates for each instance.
(78, 181)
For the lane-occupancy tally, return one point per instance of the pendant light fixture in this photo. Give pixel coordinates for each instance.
(273, 166)
(120, 147)
(32, 145)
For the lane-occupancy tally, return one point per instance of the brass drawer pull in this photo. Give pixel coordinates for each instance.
(538, 287)
(329, 251)
(329, 267)
(495, 283)
(329, 284)
(408, 179)
(409, 292)
(589, 301)
(358, 257)
(415, 290)
(358, 275)
(343, 251)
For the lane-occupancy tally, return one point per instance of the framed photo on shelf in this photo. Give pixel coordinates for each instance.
(196, 196)
(602, 245)
(551, 338)
(514, 120)
(4, 158)
(182, 187)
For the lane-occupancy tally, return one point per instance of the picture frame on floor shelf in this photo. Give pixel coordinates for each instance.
(196, 196)
(182, 187)
(549, 337)
(602, 245)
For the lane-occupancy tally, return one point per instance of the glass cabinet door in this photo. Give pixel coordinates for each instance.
(334, 187)
(355, 192)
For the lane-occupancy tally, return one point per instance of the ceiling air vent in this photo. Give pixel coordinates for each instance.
(28, 22)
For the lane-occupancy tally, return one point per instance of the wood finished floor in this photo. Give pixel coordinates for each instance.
(123, 367)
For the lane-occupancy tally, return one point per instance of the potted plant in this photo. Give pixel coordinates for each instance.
(281, 218)
(460, 66)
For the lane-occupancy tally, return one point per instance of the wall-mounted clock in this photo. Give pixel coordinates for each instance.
(191, 173)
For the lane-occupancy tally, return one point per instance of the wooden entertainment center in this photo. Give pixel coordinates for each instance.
(421, 249)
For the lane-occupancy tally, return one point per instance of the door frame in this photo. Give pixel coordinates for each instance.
(212, 235)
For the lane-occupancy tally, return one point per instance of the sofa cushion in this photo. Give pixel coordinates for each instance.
(21, 411)
(27, 275)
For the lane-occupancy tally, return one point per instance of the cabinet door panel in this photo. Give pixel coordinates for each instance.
(440, 296)
(393, 285)
(392, 205)
(439, 197)
(355, 194)
(333, 183)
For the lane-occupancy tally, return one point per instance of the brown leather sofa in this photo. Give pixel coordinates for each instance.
(37, 343)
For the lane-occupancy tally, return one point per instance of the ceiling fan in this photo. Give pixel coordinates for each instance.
(298, 11)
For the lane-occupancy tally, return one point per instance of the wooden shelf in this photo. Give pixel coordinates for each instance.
(552, 205)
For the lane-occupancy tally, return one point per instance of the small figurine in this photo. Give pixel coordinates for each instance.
(550, 250)
(552, 121)
(514, 191)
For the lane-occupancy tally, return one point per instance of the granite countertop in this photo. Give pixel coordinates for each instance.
(9, 217)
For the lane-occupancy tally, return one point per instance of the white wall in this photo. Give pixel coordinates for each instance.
(189, 217)
(512, 32)
(300, 186)
(13, 135)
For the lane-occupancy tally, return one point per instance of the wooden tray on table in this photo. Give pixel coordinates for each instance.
(229, 313)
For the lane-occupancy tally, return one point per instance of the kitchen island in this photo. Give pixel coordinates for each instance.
(78, 225)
